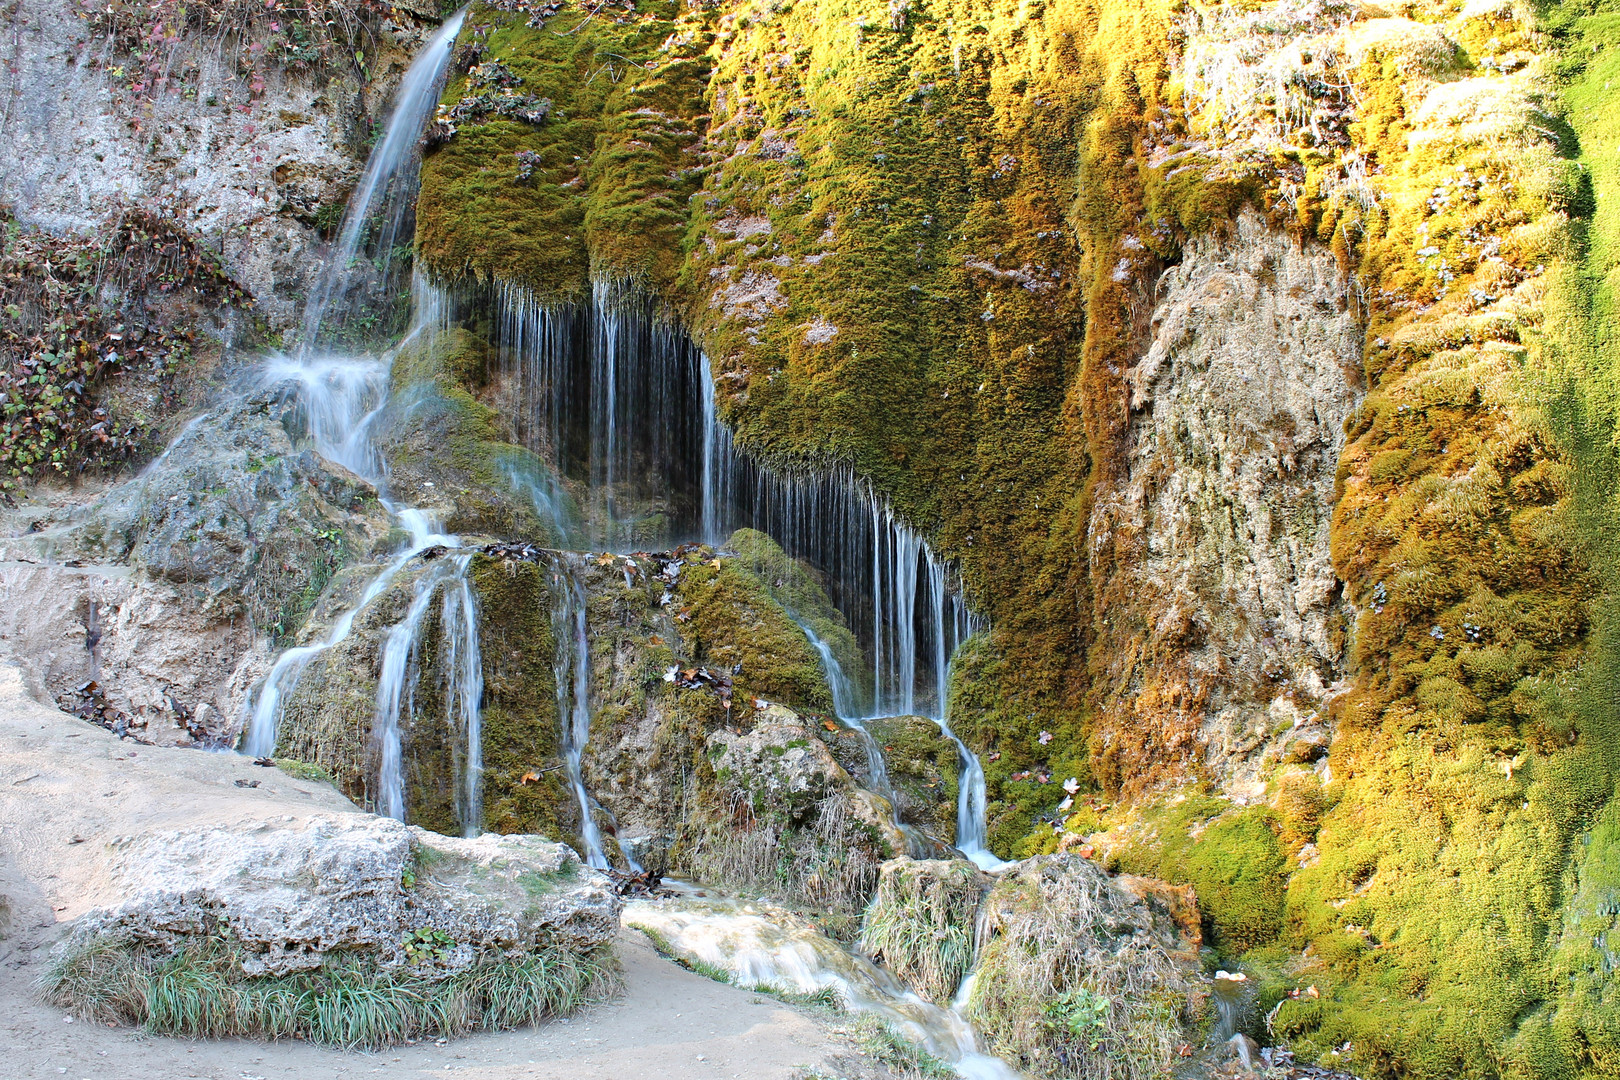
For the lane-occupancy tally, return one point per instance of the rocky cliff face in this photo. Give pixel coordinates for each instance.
(248, 129)
(1223, 613)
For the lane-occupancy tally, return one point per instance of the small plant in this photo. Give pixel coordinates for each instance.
(885, 1045)
(528, 161)
(1082, 1013)
(426, 945)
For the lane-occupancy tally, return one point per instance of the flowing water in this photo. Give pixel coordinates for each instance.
(382, 208)
(622, 405)
(761, 947)
(340, 398)
(572, 669)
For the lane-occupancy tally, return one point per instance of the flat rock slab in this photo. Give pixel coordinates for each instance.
(153, 843)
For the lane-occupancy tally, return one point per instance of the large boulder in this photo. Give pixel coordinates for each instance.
(293, 896)
(1080, 976)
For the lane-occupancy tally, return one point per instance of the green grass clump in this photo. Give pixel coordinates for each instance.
(920, 924)
(201, 991)
(304, 770)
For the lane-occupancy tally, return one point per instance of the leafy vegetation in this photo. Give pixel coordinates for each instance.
(80, 315)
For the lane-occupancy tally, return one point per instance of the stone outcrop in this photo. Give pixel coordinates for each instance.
(1064, 942)
(1228, 621)
(253, 155)
(168, 589)
(293, 896)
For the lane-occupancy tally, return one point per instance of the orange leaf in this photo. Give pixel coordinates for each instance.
(829, 725)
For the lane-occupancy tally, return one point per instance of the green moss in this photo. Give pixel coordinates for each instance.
(796, 587)
(304, 770)
(731, 622)
(615, 160)
(1230, 856)
(924, 244)
(521, 730)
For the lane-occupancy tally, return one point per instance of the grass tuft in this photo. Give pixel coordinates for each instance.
(920, 924)
(202, 992)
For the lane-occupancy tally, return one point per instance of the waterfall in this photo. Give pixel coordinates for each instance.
(622, 405)
(463, 686)
(396, 683)
(758, 947)
(571, 666)
(384, 202)
(606, 395)
(876, 767)
(464, 693)
(340, 398)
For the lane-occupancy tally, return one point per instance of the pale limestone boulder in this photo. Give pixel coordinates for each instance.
(293, 893)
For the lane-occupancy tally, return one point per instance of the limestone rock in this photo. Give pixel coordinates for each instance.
(1215, 541)
(293, 895)
(778, 761)
(255, 184)
(163, 589)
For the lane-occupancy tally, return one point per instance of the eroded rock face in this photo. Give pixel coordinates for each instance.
(1228, 622)
(293, 895)
(255, 173)
(168, 588)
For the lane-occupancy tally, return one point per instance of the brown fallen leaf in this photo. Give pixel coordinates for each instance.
(655, 640)
(829, 725)
(530, 777)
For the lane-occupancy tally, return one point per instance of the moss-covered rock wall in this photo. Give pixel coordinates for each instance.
(973, 250)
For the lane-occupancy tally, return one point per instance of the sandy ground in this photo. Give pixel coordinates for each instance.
(67, 787)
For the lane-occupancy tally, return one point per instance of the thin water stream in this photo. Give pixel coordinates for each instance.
(341, 397)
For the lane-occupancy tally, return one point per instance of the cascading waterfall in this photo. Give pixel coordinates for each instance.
(572, 669)
(464, 692)
(877, 769)
(463, 688)
(340, 398)
(606, 395)
(382, 207)
(622, 404)
(757, 949)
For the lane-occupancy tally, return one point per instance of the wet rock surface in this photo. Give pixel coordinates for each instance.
(167, 590)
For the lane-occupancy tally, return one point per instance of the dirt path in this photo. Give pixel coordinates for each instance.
(67, 789)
